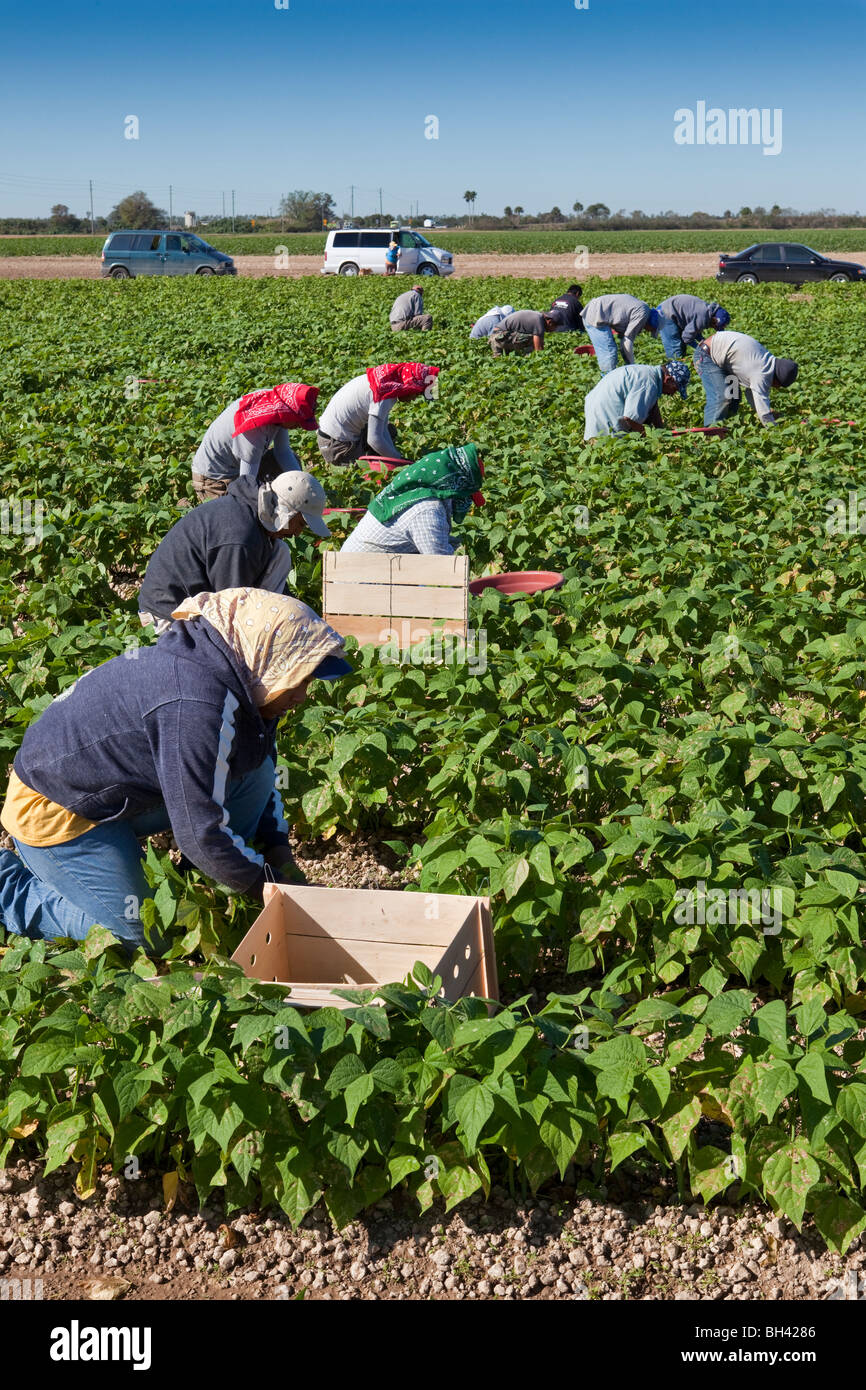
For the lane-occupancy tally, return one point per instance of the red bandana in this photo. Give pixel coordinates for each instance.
(402, 380)
(287, 405)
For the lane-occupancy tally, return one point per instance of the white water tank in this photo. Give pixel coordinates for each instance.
(189, 219)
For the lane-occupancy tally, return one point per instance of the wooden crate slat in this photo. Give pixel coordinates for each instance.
(355, 567)
(421, 601)
(379, 630)
(451, 571)
(362, 599)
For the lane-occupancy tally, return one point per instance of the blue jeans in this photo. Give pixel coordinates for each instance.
(604, 343)
(62, 890)
(722, 394)
(670, 336)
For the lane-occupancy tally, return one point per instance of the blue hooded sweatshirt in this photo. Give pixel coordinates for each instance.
(173, 724)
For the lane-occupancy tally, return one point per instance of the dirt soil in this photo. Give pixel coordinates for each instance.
(624, 1246)
(682, 265)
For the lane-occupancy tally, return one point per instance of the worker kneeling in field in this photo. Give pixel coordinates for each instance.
(355, 420)
(407, 311)
(626, 399)
(684, 319)
(235, 443)
(182, 738)
(412, 515)
(483, 327)
(732, 364)
(232, 542)
(622, 314)
(522, 332)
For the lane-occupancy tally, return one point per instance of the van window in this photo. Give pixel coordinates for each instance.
(122, 242)
(172, 243)
(143, 241)
(346, 238)
(379, 239)
(405, 239)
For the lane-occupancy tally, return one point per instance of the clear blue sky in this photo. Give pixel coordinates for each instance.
(538, 103)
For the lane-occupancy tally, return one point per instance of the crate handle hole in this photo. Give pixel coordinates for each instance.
(252, 960)
(467, 953)
(456, 971)
(267, 938)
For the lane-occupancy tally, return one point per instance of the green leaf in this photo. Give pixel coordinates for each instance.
(474, 1109)
(851, 1106)
(726, 1012)
(356, 1093)
(788, 1175)
(838, 1218)
(682, 1115)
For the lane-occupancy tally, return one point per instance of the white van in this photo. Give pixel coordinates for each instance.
(349, 251)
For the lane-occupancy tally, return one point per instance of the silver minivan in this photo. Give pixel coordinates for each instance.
(129, 254)
(349, 251)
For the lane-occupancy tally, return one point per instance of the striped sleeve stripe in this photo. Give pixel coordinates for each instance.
(221, 776)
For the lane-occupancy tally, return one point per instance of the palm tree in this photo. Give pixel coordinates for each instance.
(469, 197)
(517, 213)
(577, 207)
(509, 212)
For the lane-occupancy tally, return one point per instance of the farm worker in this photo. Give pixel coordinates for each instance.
(355, 420)
(484, 326)
(412, 515)
(569, 309)
(626, 399)
(685, 318)
(232, 542)
(180, 739)
(235, 442)
(407, 311)
(729, 364)
(620, 313)
(392, 255)
(522, 332)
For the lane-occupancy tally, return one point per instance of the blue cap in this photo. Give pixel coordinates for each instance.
(653, 320)
(331, 669)
(721, 317)
(679, 372)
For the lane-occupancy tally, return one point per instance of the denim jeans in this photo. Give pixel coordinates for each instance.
(604, 343)
(62, 890)
(722, 395)
(670, 337)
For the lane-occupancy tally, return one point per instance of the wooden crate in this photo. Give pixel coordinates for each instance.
(319, 939)
(404, 598)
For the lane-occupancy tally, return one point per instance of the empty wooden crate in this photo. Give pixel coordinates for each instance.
(319, 939)
(404, 598)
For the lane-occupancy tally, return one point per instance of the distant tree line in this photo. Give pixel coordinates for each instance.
(303, 210)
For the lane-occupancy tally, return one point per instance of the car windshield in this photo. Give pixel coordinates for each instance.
(422, 241)
(198, 245)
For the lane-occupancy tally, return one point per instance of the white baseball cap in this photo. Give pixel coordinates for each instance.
(291, 493)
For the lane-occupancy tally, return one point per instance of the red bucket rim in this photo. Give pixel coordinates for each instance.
(538, 581)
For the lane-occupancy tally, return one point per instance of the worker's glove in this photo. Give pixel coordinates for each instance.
(280, 861)
(630, 426)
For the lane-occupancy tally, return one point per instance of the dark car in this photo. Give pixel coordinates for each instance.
(784, 260)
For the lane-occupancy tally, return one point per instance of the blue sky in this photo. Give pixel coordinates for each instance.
(538, 103)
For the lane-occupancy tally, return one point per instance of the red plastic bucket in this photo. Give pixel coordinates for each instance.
(518, 582)
(332, 511)
(717, 431)
(585, 350)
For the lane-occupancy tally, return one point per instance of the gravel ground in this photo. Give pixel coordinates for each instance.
(683, 265)
(123, 1243)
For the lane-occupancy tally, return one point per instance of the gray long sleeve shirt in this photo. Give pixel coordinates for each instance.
(221, 456)
(352, 411)
(691, 315)
(406, 306)
(624, 313)
(749, 362)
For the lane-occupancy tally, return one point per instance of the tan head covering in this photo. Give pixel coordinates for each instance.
(278, 639)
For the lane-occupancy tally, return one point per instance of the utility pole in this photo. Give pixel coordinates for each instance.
(224, 207)
(170, 218)
(233, 209)
(352, 202)
(91, 206)
(380, 207)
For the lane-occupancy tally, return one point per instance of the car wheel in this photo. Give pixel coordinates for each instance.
(119, 272)
(747, 279)
(840, 279)
(349, 268)
(428, 268)
(205, 270)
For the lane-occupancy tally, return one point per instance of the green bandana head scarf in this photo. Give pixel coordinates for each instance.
(448, 475)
